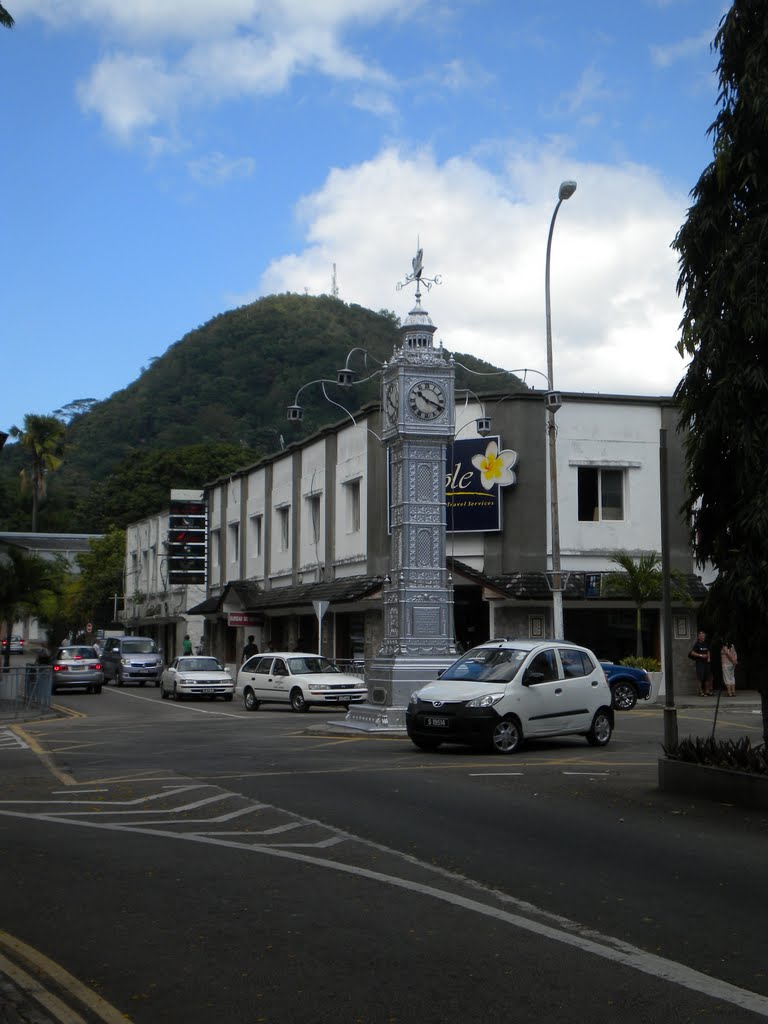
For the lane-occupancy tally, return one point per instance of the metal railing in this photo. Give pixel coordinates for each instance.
(25, 689)
(351, 667)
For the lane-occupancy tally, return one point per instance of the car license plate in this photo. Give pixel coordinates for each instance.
(206, 689)
(436, 723)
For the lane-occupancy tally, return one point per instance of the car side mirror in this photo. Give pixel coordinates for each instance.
(531, 678)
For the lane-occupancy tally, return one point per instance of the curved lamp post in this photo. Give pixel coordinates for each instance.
(553, 402)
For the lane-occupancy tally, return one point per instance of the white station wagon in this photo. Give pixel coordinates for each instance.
(298, 679)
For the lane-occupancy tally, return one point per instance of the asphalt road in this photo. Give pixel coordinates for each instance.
(194, 862)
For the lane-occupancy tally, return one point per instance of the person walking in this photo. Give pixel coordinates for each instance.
(729, 660)
(250, 648)
(700, 654)
(186, 646)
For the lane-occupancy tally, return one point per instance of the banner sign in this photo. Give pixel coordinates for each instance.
(476, 471)
(244, 619)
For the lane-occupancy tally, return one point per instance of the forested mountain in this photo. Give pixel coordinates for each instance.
(215, 400)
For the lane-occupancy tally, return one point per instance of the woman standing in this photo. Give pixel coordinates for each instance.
(729, 661)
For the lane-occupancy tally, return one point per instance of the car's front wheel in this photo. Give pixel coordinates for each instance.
(602, 729)
(506, 736)
(250, 701)
(624, 696)
(163, 693)
(176, 694)
(298, 703)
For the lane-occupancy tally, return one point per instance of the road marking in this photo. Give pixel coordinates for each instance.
(176, 704)
(100, 1007)
(488, 775)
(591, 774)
(9, 739)
(561, 930)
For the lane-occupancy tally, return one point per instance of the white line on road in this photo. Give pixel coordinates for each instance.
(567, 932)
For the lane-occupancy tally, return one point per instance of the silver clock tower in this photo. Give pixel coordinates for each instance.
(418, 421)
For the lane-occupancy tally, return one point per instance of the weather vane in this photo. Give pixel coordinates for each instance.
(417, 274)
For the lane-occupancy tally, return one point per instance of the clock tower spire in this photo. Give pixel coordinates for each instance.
(418, 421)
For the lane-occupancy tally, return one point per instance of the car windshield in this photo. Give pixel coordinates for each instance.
(139, 647)
(75, 653)
(199, 665)
(487, 664)
(310, 666)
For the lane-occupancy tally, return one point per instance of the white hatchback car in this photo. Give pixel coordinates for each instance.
(196, 676)
(505, 691)
(298, 679)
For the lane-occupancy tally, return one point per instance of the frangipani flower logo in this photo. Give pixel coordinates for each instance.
(495, 467)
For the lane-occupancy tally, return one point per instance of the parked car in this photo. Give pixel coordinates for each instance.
(190, 676)
(298, 679)
(131, 659)
(628, 685)
(505, 691)
(16, 645)
(76, 668)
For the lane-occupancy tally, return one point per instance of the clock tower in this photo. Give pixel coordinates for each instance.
(418, 421)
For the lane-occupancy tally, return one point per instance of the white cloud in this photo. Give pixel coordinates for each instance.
(217, 168)
(614, 307)
(168, 54)
(665, 55)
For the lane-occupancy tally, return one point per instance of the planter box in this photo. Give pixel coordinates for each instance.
(721, 784)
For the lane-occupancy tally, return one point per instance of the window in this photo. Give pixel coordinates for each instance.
(352, 491)
(545, 664)
(216, 547)
(257, 525)
(234, 541)
(575, 663)
(313, 517)
(284, 526)
(601, 494)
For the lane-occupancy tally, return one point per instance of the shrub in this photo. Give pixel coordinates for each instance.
(649, 664)
(737, 755)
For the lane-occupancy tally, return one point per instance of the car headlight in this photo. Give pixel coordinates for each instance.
(485, 702)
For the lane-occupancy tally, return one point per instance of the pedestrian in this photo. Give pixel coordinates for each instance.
(729, 660)
(699, 653)
(186, 647)
(250, 648)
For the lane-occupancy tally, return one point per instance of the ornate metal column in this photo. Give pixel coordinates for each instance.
(418, 420)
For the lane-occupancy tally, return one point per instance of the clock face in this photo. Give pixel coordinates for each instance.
(392, 402)
(427, 400)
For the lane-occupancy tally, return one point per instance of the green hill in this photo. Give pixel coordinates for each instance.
(220, 393)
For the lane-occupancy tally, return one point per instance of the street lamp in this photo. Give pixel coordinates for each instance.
(553, 403)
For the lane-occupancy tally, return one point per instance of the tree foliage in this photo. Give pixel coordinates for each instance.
(43, 439)
(6, 19)
(28, 583)
(640, 581)
(140, 485)
(93, 590)
(723, 397)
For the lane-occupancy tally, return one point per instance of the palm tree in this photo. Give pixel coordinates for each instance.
(5, 18)
(25, 582)
(43, 438)
(640, 581)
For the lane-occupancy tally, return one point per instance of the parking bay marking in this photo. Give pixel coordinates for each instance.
(562, 930)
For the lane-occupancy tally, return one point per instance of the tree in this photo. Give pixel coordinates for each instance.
(640, 581)
(5, 18)
(723, 396)
(25, 582)
(100, 578)
(43, 438)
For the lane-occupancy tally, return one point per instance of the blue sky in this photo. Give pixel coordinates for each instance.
(165, 161)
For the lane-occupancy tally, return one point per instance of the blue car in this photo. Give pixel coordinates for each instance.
(628, 685)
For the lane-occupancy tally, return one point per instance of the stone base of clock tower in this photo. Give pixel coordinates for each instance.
(391, 680)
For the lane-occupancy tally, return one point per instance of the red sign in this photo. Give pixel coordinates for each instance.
(243, 619)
